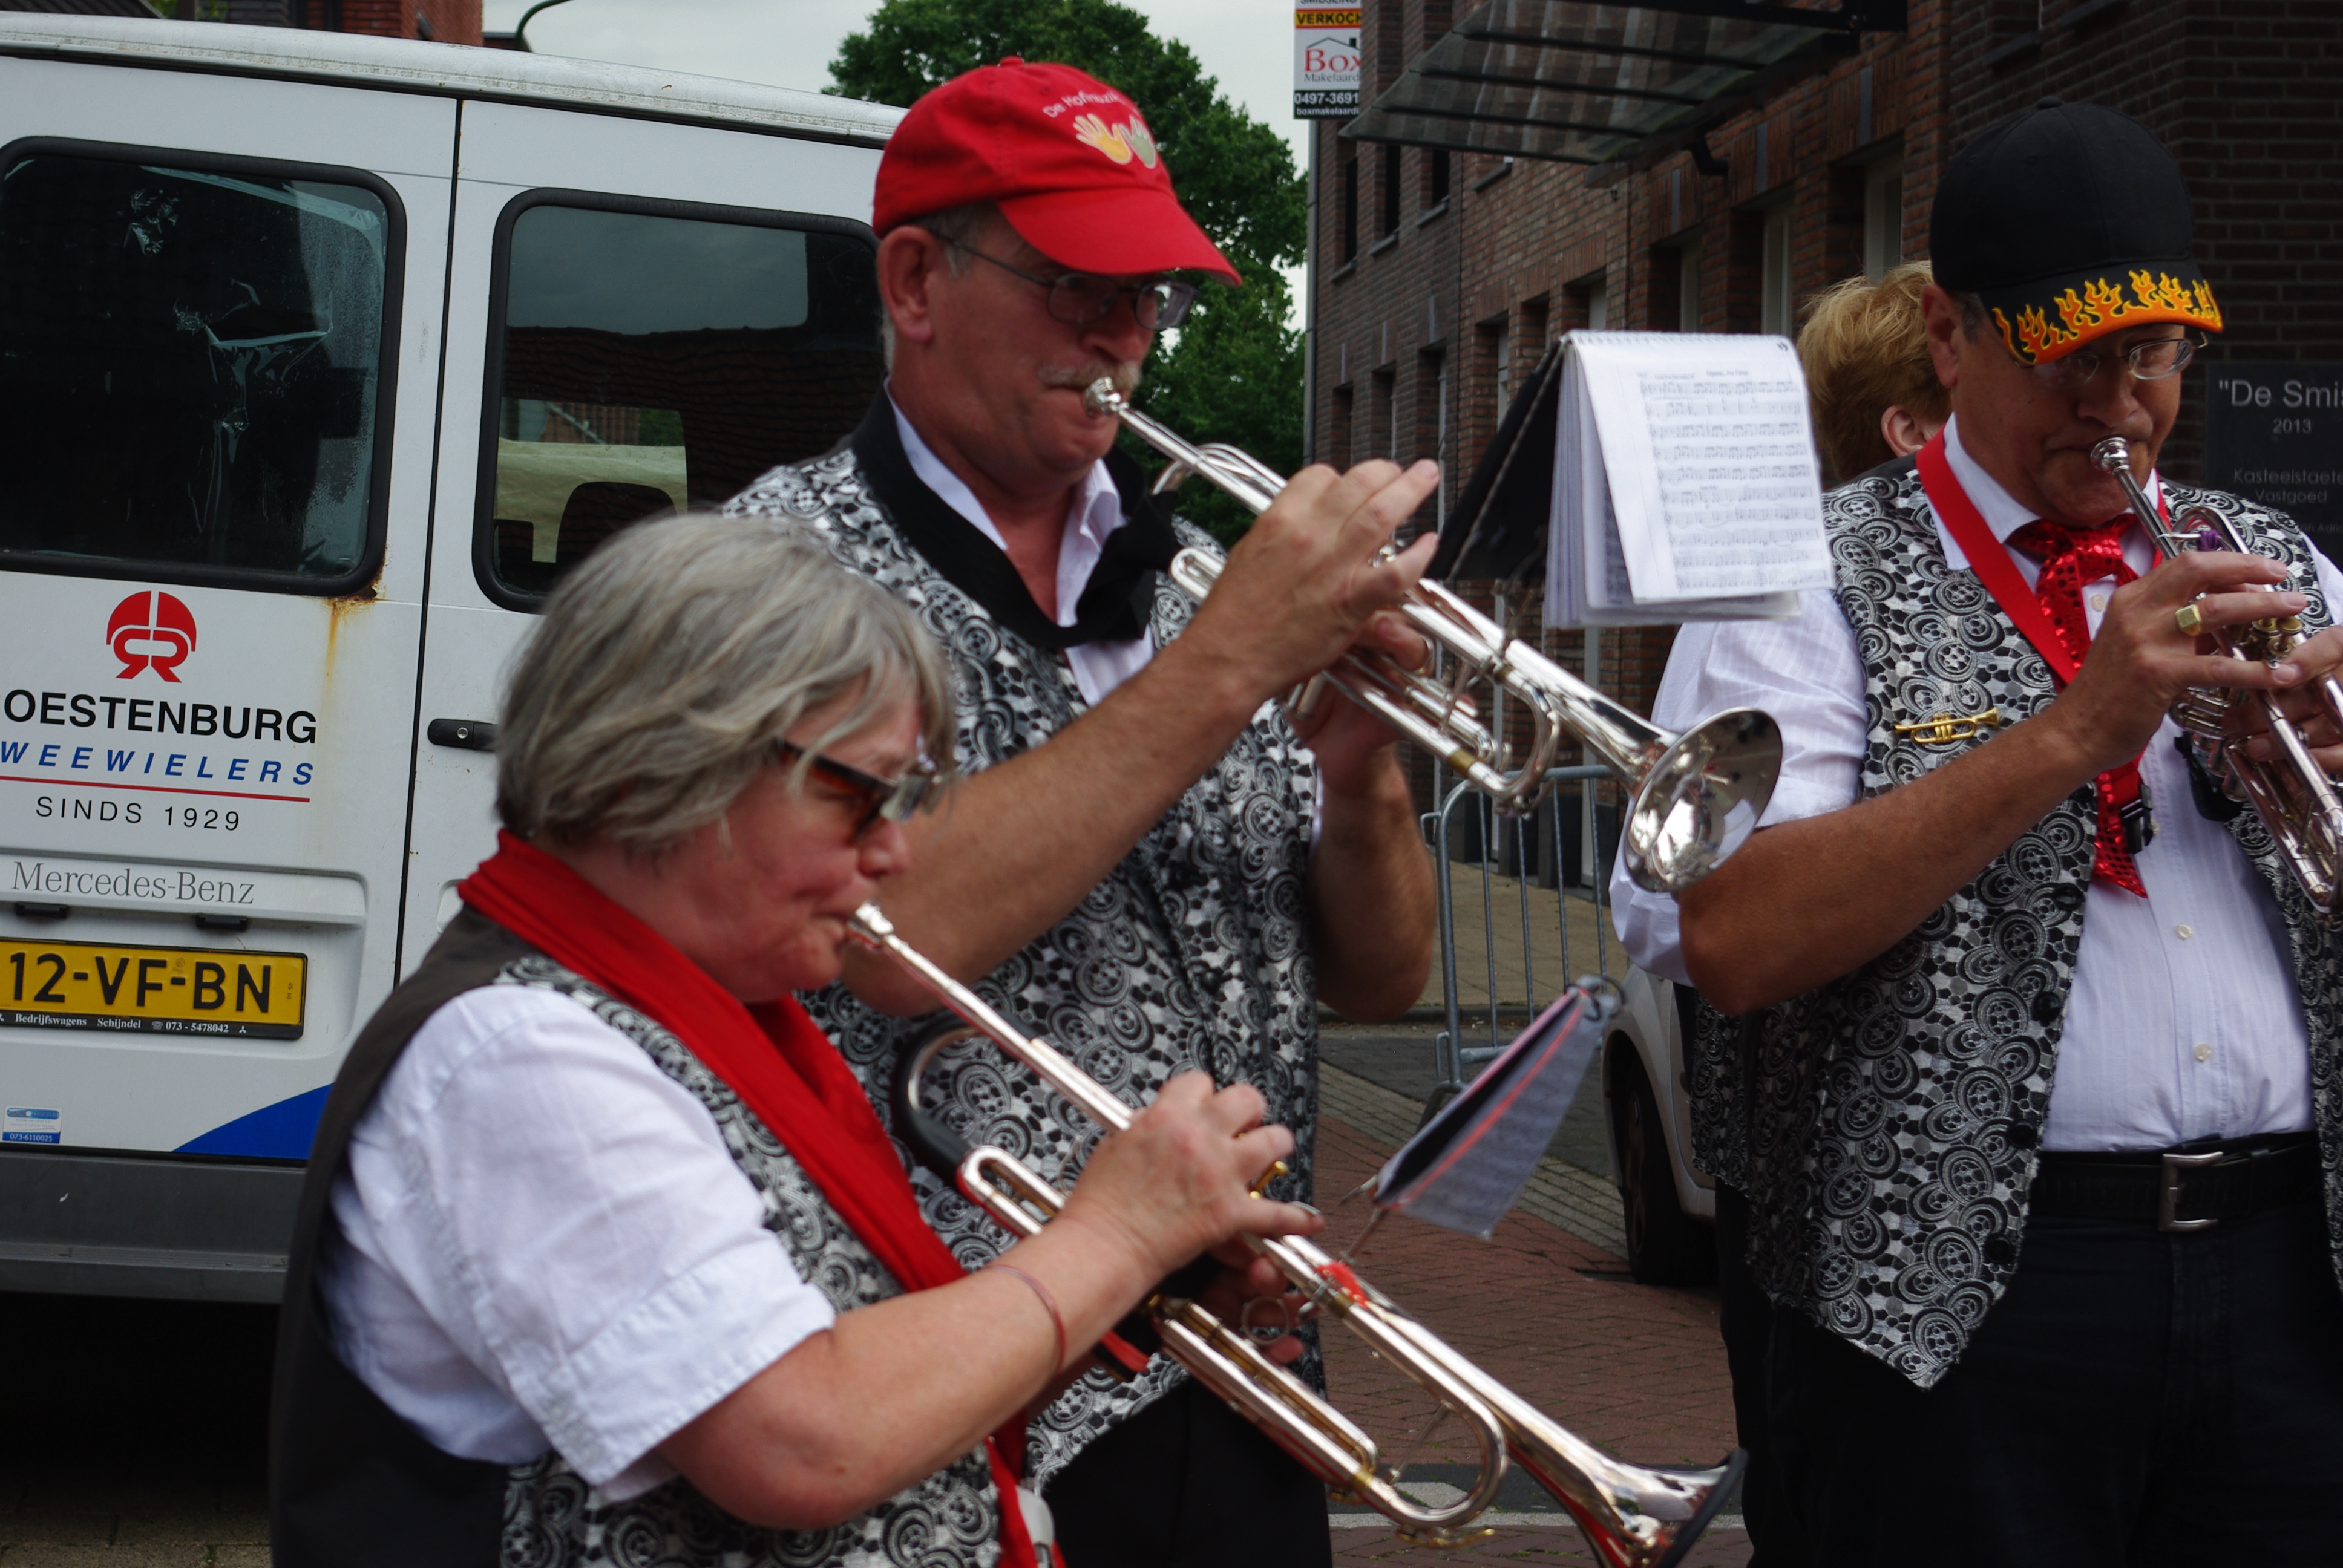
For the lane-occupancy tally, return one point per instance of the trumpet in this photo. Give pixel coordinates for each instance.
(2289, 791)
(1636, 1517)
(1680, 823)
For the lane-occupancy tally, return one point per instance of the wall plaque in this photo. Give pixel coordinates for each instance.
(2275, 435)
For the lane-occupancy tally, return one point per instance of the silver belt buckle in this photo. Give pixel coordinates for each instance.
(2168, 1191)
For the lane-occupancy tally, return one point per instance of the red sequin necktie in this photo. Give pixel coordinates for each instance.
(2071, 558)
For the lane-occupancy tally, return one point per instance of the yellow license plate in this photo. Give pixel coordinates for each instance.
(161, 990)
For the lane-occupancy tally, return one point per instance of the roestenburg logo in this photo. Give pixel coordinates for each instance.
(151, 631)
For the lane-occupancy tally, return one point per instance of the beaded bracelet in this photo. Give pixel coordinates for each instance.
(1048, 1300)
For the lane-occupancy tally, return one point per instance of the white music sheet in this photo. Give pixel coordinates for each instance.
(1685, 485)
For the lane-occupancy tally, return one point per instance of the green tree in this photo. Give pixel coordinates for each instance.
(1233, 371)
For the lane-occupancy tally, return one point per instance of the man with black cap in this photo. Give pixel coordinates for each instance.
(2024, 1044)
(1147, 860)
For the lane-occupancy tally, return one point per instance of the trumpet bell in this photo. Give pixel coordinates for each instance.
(1685, 791)
(1684, 822)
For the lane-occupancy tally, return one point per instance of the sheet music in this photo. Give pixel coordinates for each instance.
(1686, 483)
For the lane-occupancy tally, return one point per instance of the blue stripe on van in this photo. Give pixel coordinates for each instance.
(280, 1131)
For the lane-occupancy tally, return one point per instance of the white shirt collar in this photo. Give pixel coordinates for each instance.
(2002, 512)
(1097, 512)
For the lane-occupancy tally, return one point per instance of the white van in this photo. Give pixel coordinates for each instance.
(321, 358)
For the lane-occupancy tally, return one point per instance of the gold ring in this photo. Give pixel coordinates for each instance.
(2189, 619)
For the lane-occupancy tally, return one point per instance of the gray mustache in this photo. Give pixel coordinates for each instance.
(1125, 377)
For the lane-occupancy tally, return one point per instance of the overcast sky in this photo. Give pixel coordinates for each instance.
(1247, 45)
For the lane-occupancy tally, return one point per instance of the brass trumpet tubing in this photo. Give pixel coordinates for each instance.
(1636, 1518)
(1684, 788)
(1325, 1440)
(1413, 707)
(2290, 793)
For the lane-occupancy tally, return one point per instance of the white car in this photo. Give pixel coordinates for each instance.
(1669, 1206)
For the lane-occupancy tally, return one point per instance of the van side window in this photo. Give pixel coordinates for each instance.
(650, 359)
(191, 354)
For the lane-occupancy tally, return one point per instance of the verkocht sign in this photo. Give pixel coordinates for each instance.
(1325, 62)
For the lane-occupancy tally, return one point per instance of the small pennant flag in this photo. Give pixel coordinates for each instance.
(1466, 1166)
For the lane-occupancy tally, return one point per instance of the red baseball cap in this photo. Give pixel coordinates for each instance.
(1069, 160)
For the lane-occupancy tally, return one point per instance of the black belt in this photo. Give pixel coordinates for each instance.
(2191, 1187)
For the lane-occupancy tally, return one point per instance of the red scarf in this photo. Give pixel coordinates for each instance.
(772, 1056)
(2051, 616)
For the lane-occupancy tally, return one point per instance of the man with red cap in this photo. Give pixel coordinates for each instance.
(1147, 858)
(2018, 1035)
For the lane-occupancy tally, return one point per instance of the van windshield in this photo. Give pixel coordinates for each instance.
(189, 363)
(651, 363)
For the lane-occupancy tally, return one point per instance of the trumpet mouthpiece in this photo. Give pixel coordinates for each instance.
(1101, 397)
(2111, 454)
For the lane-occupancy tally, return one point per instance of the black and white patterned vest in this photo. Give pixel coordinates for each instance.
(349, 1478)
(554, 1519)
(1886, 1125)
(1194, 951)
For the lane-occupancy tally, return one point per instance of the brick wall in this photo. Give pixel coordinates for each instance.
(2242, 90)
(449, 21)
(2245, 93)
(1520, 251)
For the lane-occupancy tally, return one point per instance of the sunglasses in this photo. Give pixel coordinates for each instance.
(887, 800)
(1080, 298)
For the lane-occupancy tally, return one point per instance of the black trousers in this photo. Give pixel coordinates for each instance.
(1745, 1318)
(2134, 1399)
(1187, 1483)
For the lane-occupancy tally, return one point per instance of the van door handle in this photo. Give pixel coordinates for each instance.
(463, 734)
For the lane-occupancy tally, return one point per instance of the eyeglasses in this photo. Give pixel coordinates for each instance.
(1081, 299)
(2150, 361)
(891, 800)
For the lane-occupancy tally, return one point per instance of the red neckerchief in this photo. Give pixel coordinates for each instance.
(773, 1057)
(2118, 788)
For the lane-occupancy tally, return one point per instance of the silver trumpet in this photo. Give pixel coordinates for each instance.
(1684, 787)
(1636, 1518)
(2289, 791)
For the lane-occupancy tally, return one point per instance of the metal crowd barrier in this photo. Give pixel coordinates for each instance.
(1537, 844)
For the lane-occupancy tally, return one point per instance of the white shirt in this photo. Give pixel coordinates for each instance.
(2184, 1022)
(545, 1244)
(1097, 512)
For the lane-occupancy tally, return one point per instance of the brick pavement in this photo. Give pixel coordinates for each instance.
(1637, 1370)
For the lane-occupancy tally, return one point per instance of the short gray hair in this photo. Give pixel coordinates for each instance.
(668, 665)
(958, 228)
(1971, 307)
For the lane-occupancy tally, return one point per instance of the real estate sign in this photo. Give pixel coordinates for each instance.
(1325, 62)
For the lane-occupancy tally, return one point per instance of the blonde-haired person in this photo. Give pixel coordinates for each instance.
(1874, 387)
(603, 1253)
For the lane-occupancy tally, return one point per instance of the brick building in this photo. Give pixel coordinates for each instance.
(1441, 267)
(447, 21)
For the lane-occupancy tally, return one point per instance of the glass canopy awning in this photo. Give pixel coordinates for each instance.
(1587, 84)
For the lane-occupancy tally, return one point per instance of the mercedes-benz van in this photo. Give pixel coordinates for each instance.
(321, 358)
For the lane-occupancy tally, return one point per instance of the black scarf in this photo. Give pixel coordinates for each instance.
(1114, 608)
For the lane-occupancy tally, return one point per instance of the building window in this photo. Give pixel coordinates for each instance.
(1435, 179)
(1774, 274)
(1432, 425)
(1383, 411)
(1688, 288)
(1389, 193)
(1350, 224)
(1883, 218)
(1339, 436)
(1500, 343)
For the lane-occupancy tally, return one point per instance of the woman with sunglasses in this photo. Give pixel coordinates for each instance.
(604, 1254)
